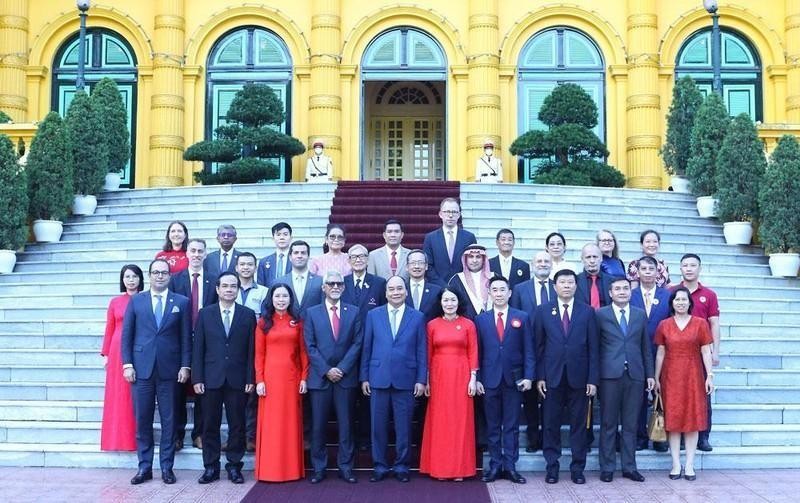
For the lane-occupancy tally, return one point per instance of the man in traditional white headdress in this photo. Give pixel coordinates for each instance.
(473, 282)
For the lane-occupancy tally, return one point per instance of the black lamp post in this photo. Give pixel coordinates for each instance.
(716, 45)
(83, 6)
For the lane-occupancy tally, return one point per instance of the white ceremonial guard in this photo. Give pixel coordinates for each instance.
(488, 168)
(319, 167)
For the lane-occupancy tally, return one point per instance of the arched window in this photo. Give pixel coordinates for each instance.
(404, 54)
(107, 55)
(552, 57)
(740, 69)
(247, 55)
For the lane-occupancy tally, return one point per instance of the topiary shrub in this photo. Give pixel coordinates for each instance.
(49, 170)
(89, 151)
(686, 101)
(779, 199)
(583, 173)
(710, 126)
(13, 198)
(113, 117)
(739, 172)
(4, 117)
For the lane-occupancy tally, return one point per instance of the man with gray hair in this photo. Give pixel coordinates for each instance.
(224, 259)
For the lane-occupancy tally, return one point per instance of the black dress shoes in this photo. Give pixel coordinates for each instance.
(489, 476)
(704, 446)
(551, 477)
(641, 445)
(141, 476)
(690, 478)
(676, 476)
(168, 477)
(634, 476)
(515, 477)
(606, 476)
(578, 478)
(208, 476)
(317, 477)
(348, 477)
(235, 476)
(377, 476)
(402, 476)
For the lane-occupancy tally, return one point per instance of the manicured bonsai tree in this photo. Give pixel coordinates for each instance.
(246, 143)
(50, 171)
(710, 126)
(686, 100)
(89, 151)
(570, 147)
(13, 198)
(779, 199)
(4, 117)
(739, 172)
(113, 118)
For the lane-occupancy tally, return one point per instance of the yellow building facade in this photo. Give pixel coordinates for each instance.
(400, 90)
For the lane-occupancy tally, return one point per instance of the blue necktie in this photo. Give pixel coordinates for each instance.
(158, 312)
(224, 266)
(280, 272)
(543, 298)
(394, 323)
(623, 323)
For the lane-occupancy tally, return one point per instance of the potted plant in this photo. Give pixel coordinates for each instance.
(49, 179)
(708, 132)
(779, 207)
(740, 170)
(13, 205)
(686, 100)
(114, 131)
(89, 153)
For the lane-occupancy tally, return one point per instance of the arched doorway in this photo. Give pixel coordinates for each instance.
(403, 95)
(248, 54)
(552, 57)
(107, 55)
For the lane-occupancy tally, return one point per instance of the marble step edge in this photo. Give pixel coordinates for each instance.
(213, 189)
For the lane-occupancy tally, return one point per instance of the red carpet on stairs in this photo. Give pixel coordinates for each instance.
(363, 207)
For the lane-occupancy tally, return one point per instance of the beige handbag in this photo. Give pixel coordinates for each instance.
(655, 426)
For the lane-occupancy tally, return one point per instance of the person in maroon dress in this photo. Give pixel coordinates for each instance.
(448, 446)
(684, 350)
(118, 430)
(174, 249)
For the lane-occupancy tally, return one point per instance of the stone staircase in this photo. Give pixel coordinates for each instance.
(52, 309)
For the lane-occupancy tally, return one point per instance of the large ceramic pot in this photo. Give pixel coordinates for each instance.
(679, 184)
(8, 259)
(113, 180)
(784, 264)
(707, 206)
(84, 205)
(47, 231)
(738, 233)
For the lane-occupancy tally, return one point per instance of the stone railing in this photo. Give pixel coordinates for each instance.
(771, 133)
(19, 131)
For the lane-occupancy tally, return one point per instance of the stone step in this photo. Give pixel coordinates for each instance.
(216, 192)
(50, 391)
(264, 212)
(760, 361)
(762, 394)
(755, 377)
(573, 227)
(59, 341)
(53, 373)
(765, 345)
(105, 231)
(553, 208)
(471, 191)
(49, 357)
(285, 202)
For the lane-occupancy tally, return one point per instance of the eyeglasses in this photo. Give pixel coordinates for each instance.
(335, 284)
(417, 263)
(358, 257)
(336, 237)
(159, 273)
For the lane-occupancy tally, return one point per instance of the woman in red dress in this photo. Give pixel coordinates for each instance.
(174, 250)
(281, 372)
(448, 441)
(118, 431)
(684, 351)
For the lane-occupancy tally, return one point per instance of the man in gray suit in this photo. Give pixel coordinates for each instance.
(625, 364)
(389, 260)
(307, 287)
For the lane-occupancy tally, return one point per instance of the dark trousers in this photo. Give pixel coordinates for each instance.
(181, 415)
(251, 415)
(502, 407)
(235, 401)
(388, 404)
(576, 403)
(644, 415)
(530, 407)
(620, 403)
(343, 402)
(144, 394)
(363, 427)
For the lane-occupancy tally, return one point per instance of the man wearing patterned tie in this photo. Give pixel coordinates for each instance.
(223, 373)
(390, 259)
(276, 264)
(333, 337)
(566, 373)
(156, 349)
(592, 283)
(445, 246)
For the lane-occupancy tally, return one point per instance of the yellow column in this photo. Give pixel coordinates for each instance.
(483, 99)
(13, 58)
(167, 101)
(643, 102)
(325, 100)
(792, 28)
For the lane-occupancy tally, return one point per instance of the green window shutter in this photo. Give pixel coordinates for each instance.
(698, 52)
(114, 53)
(740, 99)
(268, 51)
(578, 51)
(542, 51)
(386, 53)
(232, 52)
(734, 52)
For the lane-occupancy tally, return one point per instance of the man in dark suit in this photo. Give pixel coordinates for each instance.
(394, 370)
(626, 363)
(156, 349)
(505, 343)
(199, 287)
(224, 259)
(276, 264)
(333, 336)
(592, 283)
(445, 245)
(223, 373)
(421, 293)
(567, 366)
(505, 264)
(527, 296)
(307, 287)
(654, 300)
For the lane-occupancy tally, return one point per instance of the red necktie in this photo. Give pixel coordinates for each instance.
(195, 298)
(594, 293)
(335, 323)
(500, 327)
(393, 263)
(565, 320)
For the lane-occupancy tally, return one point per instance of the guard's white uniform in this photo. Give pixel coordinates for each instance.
(488, 170)
(319, 169)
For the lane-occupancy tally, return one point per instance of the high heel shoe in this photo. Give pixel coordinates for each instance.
(690, 478)
(676, 476)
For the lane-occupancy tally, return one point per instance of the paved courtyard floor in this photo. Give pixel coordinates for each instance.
(85, 485)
